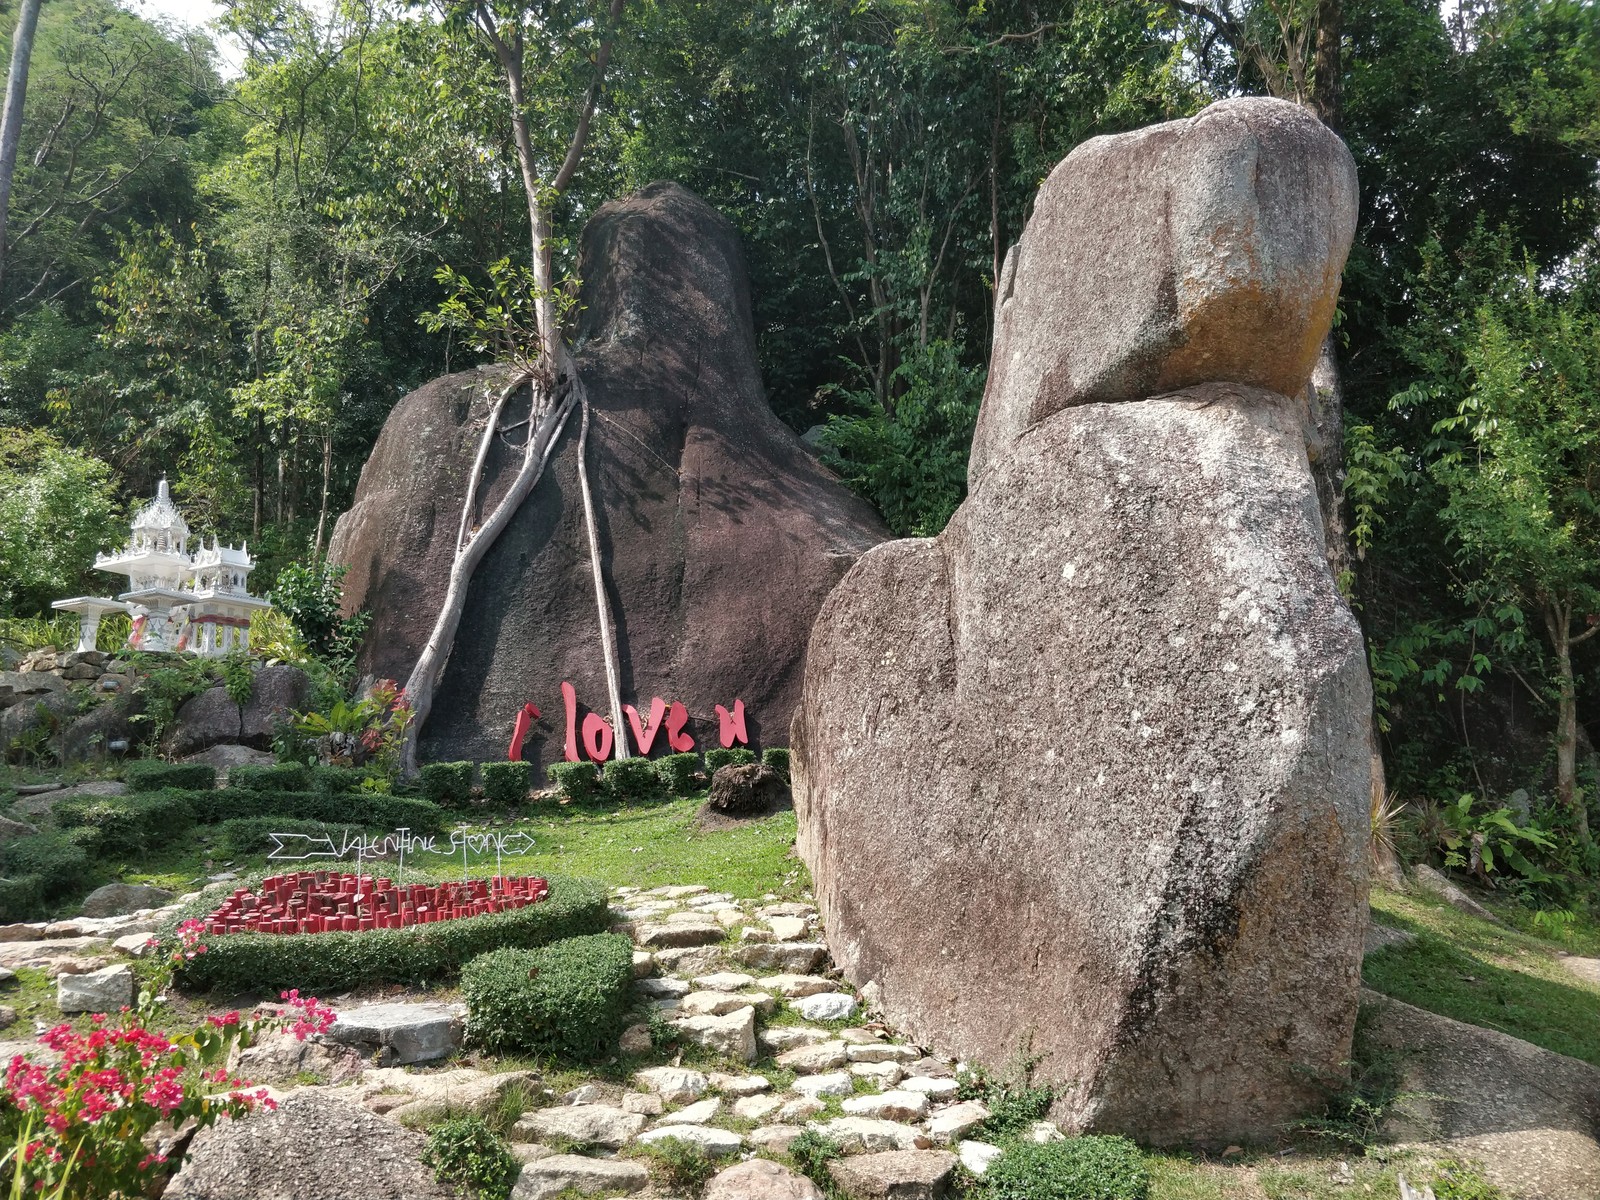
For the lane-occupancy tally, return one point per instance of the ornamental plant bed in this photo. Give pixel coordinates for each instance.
(314, 902)
(237, 963)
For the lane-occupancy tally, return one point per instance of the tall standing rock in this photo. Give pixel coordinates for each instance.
(1086, 775)
(721, 534)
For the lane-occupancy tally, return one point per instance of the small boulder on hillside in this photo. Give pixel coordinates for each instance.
(115, 899)
(747, 789)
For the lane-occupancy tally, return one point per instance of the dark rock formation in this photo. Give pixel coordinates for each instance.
(739, 791)
(722, 535)
(1087, 774)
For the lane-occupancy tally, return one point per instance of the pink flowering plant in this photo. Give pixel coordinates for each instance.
(87, 1126)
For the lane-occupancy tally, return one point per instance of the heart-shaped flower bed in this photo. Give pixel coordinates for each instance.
(326, 902)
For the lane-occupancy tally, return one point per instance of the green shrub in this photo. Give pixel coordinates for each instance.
(507, 783)
(467, 1155)
(281, 777)
(812, 1152)
(128, 824)
(43, 867)
(336, 781)
(566, 999)
(631, 779)
(1082, 1168)
(736, 757)
(577, 781)
(448, 784)
(20, 897)
(777, 757)
(677, 772)
(370, 810)
(327, 963)
(246, 837)
(151, 775)
(678, 1167)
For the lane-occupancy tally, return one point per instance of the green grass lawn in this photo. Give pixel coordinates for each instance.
(647, 846)
(639, 845)
(1486, 974)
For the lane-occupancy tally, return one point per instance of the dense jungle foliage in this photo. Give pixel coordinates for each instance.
(229, 276)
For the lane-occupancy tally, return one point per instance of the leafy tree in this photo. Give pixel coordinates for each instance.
(57, 508)
(1520, 479)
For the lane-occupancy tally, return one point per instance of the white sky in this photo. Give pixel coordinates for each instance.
(198, 13)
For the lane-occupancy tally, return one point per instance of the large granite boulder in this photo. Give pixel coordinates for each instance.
(1087, 773)
(721, 533)
(213, 719)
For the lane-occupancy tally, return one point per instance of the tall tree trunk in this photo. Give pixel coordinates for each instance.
(11, 119)
(608, 632)
(327, 472)
(1328, 64)
(1558, 621)
(547, 417)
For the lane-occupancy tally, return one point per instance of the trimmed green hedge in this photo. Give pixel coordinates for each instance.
(152, 775)
(507, 783)
(448, 783)
(245, 837)
(577, 780)
(326, 963)
(677, 772)
(128, 824)
(281, 777)
(777, 757)
(366, 809)
(738, 756)
(39, 868)
(567, 999)
(631, 779)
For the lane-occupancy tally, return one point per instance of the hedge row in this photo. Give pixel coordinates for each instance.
(566, 999)
(39, 869)
(367, 809)
(128, 824)
(326, 963)
(152, 775)
(297, 777)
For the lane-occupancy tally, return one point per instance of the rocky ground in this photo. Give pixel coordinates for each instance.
(744, 1038)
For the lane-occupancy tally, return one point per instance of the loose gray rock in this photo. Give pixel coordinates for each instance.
(315, 1146)
(760, 1179)
(826, 1006)
(865, 1135)
(896, 1175)
(675, 1085)
(118, 899)
(399, 1034)
(732, 1036)
(1120, 699)
(107, 990)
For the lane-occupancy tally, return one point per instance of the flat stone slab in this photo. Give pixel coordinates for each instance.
(896, 1175)
(761, 1179)
(716, 1142)
(400, 1034)
(550, 1176)
(696, 931)
(866, 1135)
(583, 1124)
